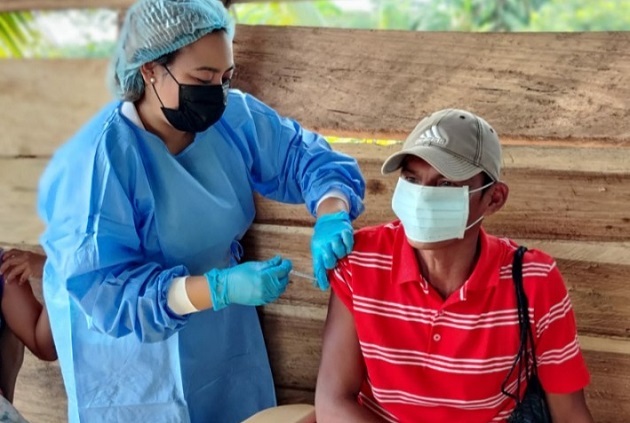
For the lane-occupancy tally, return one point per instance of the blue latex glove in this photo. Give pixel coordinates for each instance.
(253, 283)
(332, 240)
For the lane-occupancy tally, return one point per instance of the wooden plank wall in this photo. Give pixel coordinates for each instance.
(560, 102)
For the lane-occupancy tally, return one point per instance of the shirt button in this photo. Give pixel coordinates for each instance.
(437, 337)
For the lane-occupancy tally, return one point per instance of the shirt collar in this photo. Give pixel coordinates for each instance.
(405, 266)
(128, 110)
(485, 275)
(404, 261)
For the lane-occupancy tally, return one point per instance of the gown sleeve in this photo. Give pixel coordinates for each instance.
(289, 163)
(97, 207)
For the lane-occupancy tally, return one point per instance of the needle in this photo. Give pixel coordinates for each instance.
(302, 275)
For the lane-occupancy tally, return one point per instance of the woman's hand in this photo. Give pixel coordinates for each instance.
(333, 239)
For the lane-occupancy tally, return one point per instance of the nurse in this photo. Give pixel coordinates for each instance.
(152, 314)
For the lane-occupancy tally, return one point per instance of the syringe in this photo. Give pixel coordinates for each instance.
(303, 275)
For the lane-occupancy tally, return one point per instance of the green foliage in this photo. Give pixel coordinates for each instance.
(432, 15)
(387, 14)
(21, 37)
(478, 15)
(398, 15)
(582, 15)
(23, 34)
(286, 14)
(446, 15)
(17, 33)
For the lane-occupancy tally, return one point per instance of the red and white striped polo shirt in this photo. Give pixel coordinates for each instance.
(434, 360)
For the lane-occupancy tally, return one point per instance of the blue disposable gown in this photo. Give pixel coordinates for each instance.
(124, 217)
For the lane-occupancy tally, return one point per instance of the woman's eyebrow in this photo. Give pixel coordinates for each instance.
(215, 70)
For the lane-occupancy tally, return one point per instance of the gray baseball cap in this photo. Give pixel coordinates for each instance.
(459, 144)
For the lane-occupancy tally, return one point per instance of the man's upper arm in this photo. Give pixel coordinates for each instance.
(561, 366)
(569, 408)
(342, 370)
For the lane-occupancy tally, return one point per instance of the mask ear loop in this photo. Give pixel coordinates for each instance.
(172, 76)
(475, 222)
(156, 93)
(155, 90)
(472, 192)
(482, 188)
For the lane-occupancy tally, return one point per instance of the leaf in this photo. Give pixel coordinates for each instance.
(17, 34)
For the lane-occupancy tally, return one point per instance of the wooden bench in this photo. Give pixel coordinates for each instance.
(559, 101)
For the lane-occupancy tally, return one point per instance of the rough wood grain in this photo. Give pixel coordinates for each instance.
(598, 290)
(18, 196)
(39, 394)
(48, 102)
(608, 395)
(295, 396)
(556, 193)
(295, 351)
(537, 89)
(542, 204)
(294, 344)
(564, 89)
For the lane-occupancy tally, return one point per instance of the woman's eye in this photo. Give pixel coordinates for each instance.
(447, 184)
(203, 81)
(410, 179)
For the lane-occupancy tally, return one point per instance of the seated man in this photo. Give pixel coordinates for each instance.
(422, 322)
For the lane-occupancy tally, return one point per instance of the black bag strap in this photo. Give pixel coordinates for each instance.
(526, 356)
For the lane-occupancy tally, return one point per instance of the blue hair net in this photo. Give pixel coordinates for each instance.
(154, 28)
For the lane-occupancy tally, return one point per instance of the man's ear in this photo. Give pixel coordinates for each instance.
(498, 196)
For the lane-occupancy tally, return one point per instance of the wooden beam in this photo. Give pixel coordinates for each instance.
(543, 204)
(598, 289)
(48, 102)
(293, 336)
(564, 195)
(608, 394)
(18, 209)
(562, 89)
(567, 87)
(295, 396)
(294, 345)
(39, 393)
(556, 193)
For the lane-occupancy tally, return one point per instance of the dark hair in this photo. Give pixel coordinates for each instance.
(486, 180)
(167, 59)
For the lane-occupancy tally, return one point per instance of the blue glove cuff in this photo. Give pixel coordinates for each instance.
(218, 289)
(340, 215)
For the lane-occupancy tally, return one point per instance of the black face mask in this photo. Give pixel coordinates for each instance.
(200, 106)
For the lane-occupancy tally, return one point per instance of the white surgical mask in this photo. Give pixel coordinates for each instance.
(433, 214)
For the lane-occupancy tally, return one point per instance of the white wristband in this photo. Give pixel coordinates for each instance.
(334, 193)
(177, 297)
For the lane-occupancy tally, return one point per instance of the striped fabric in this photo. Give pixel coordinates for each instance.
(435, 360)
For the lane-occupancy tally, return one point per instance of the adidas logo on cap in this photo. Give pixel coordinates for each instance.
(431, 136)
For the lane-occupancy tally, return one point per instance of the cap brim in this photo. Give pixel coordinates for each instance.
(452, 167)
